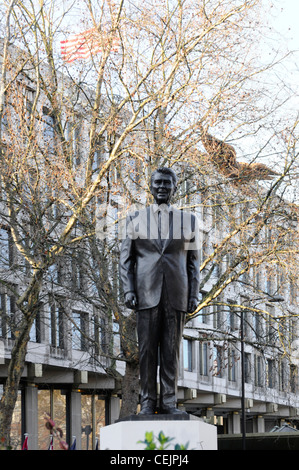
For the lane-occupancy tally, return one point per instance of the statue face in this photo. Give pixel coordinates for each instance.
(162, 188)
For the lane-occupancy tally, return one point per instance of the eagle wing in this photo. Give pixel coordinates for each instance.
(224, 157)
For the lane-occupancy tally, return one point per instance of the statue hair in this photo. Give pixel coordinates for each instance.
(166, 171)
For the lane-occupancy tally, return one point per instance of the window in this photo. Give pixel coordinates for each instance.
(204, 206)
(256, 277)
(293, 329)
(280, 280)
(98, 153)
(258, 371)
(232, 365)
(231, 322)
(7, 317)
(293, 291)
(205, 245)
(79, 330)
(283, 376)
(105, 337)
(271, 331)
(293, 378)
(216, 213)
(217, 316)
(55, 273)
(268, 235)
(218, 361)
(284, 327)
(188, 347)
(57, 325)
(96, 333)
(77, 271)
(269, 282)
(270, 373)
(35, 332)
(203, 315)
(29, 96)
(203, 358)
(6, 248)
(257, 325)
(216, 269)
(73, 133)
(244, 276)
(247, 323)
(116, 338)
(247, 367)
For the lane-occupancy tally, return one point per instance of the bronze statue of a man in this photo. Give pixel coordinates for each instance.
(159, 271)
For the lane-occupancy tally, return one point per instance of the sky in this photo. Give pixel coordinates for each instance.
(286, 21)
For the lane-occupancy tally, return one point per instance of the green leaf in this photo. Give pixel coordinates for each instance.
(149, 436)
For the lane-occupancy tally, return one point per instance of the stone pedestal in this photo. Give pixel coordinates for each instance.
(125, 434)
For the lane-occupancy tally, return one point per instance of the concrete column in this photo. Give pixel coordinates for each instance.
(75, 418)
(260, 424)
(210, 415)
(31, 415)
(236, 423)
(114, 409)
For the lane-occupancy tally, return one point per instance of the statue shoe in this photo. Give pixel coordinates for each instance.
(147, 410)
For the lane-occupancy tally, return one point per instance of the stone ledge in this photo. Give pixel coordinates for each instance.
(158, 417)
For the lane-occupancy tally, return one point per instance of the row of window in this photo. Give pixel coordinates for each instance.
(271, 281)
(267, 327)
(225, 363)
(56, 323)
(214, 361)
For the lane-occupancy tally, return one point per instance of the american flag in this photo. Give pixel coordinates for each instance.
(83, 45)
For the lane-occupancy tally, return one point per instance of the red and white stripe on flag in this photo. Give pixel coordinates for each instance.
(82, 45)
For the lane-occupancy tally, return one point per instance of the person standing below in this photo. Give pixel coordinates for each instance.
(159, 271)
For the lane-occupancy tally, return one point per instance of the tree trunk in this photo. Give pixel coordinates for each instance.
(130, 390)
(15, 370)
(130, 381)
(18, 354)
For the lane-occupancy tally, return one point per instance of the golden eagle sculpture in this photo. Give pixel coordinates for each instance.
(223, 156)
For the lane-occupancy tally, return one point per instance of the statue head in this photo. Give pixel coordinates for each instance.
(163, 185)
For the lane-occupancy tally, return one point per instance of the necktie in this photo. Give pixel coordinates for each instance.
(160, 228)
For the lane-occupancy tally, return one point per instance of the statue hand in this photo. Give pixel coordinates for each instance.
(131, 300)
(192, 304)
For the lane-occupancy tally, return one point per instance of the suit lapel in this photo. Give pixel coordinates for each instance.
(152, 227)
(174, 229)
(170, 230)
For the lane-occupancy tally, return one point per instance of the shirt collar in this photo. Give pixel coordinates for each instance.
(161, 207)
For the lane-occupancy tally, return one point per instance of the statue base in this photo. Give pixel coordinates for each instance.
(186, 430)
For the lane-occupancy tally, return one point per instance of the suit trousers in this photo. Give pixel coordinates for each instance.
(160, 331)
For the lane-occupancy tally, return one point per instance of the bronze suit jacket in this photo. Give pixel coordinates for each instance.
(146, 262)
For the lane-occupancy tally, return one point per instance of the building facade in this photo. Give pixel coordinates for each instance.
(74, 358)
